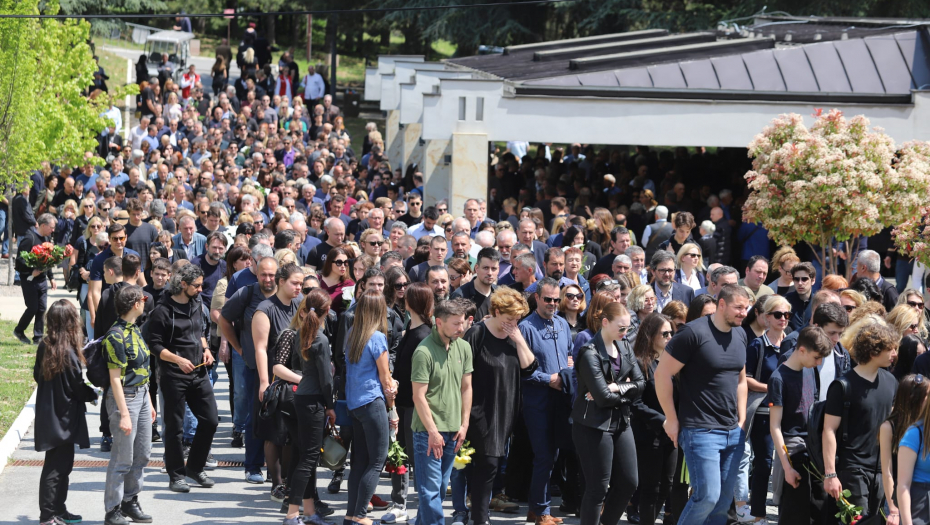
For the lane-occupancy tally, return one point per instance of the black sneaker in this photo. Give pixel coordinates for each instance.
(336, 483)
(115, 516)
(70, 518)
(133, 510)
(202, 479)
(211, 463)
(632, 515)
(278, 494)
(179, 485)
(156, 437)
(323, 509)
(106, 444)
(22, 337)
(237, 441)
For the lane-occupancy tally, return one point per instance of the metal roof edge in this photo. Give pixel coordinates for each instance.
(670, 54)
(708, 94)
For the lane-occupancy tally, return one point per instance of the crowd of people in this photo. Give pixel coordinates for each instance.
(630, 356)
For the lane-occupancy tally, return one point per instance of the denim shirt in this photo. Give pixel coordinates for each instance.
(550, 341)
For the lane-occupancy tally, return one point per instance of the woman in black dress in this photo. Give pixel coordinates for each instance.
(60, 398)
(501, 358)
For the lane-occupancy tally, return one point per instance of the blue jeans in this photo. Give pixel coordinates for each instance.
(3, 233)
(85, 315)
(713, 459)
(460, 488)
(254, 447)
(241, 394)
(432, 476)
(190, 422)
(902, 272)
(741, 487)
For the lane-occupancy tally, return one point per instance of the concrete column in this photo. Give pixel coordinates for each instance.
(413, 150)
(394, 139)
(469, 170)
(436, 170)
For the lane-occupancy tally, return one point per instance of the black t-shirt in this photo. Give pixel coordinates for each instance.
(280, 316)
(242, 305)
(410, 220)
(317, 256)
(869, 406)
(147, 95)
(713, 361)
(795, 391)
(140, 238)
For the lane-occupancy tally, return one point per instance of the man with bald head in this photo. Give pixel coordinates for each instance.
(723, 234)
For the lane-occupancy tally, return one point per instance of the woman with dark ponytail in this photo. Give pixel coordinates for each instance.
(313, 399)
(60, 398)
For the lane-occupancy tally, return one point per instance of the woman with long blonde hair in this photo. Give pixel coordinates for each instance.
(370, 391)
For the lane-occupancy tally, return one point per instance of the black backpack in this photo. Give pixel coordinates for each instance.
(97, 372)
(815, 418)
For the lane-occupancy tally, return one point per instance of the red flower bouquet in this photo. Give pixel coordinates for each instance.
(46, 256)
(396, 459)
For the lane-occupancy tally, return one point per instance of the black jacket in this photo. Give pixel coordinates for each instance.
(23, 216)
(595, 373)
(60, 405)
(889, 295)
(29, 239)
(170, 327)
(106, 309)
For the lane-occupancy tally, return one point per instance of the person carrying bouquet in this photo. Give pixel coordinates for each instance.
(35, 274)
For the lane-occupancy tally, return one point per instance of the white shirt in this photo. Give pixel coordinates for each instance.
(418, 230)
(116, 116)
(827, 375)
(137, 134)
(518, 148)
(692, 281)
(313, 85)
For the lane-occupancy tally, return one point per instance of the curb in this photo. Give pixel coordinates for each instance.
(17, 431)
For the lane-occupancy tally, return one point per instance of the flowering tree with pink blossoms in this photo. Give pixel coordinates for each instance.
(912, 236)
(838, 179)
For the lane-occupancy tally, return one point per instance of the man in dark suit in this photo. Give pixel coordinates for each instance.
(868, 266)
(527, 236)
(34, 282)
(665, 287)
(620, 241)
(23, 217)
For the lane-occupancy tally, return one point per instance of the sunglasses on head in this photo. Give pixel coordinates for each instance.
(780, 315)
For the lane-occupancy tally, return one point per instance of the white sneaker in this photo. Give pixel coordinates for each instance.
(394, 514)
(744, 515)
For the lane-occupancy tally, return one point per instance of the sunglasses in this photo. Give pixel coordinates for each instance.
(915, 305)
(801, 279)
(105, 209)
(145, 299)
(695, 255)
(780, 315)
(306, 290)
(624, 329)
(575, 296)
(91, 206)
(913, 327)
(375, 243)
(341, 262)
(119, 239)
(667, 334)
(400, 286)
(550, 300)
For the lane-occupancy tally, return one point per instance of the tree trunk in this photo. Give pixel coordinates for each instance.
(385, 35)
(269, 29)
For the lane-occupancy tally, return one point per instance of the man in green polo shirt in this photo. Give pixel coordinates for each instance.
(441, 375)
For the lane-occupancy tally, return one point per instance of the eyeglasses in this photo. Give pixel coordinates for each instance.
(849, 307)
(91, 206)
(575, 296)
(668, 334)
(780, 315)
(915, 305)
(550, 300)
(400, 286)
(666, 270)
(306, 290)
(341, 262)
(375, 243)
(801, 279)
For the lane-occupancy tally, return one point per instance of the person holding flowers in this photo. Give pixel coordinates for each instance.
(34, 262)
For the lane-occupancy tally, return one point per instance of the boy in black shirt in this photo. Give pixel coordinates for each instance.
(871, 389)
(792, 391)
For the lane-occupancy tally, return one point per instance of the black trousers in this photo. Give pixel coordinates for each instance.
(53, 485)
(197, 391)
(36, 297)
(608, 460)
(484, 470)
(802, 505)
(866, 489)
(656, 463)
(311, 424)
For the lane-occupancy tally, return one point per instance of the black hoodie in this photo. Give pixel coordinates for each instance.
(179, 329)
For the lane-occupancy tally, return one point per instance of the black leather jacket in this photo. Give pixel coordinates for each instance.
(595, 373)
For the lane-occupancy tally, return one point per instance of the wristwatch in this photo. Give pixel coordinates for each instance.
(828, 476)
